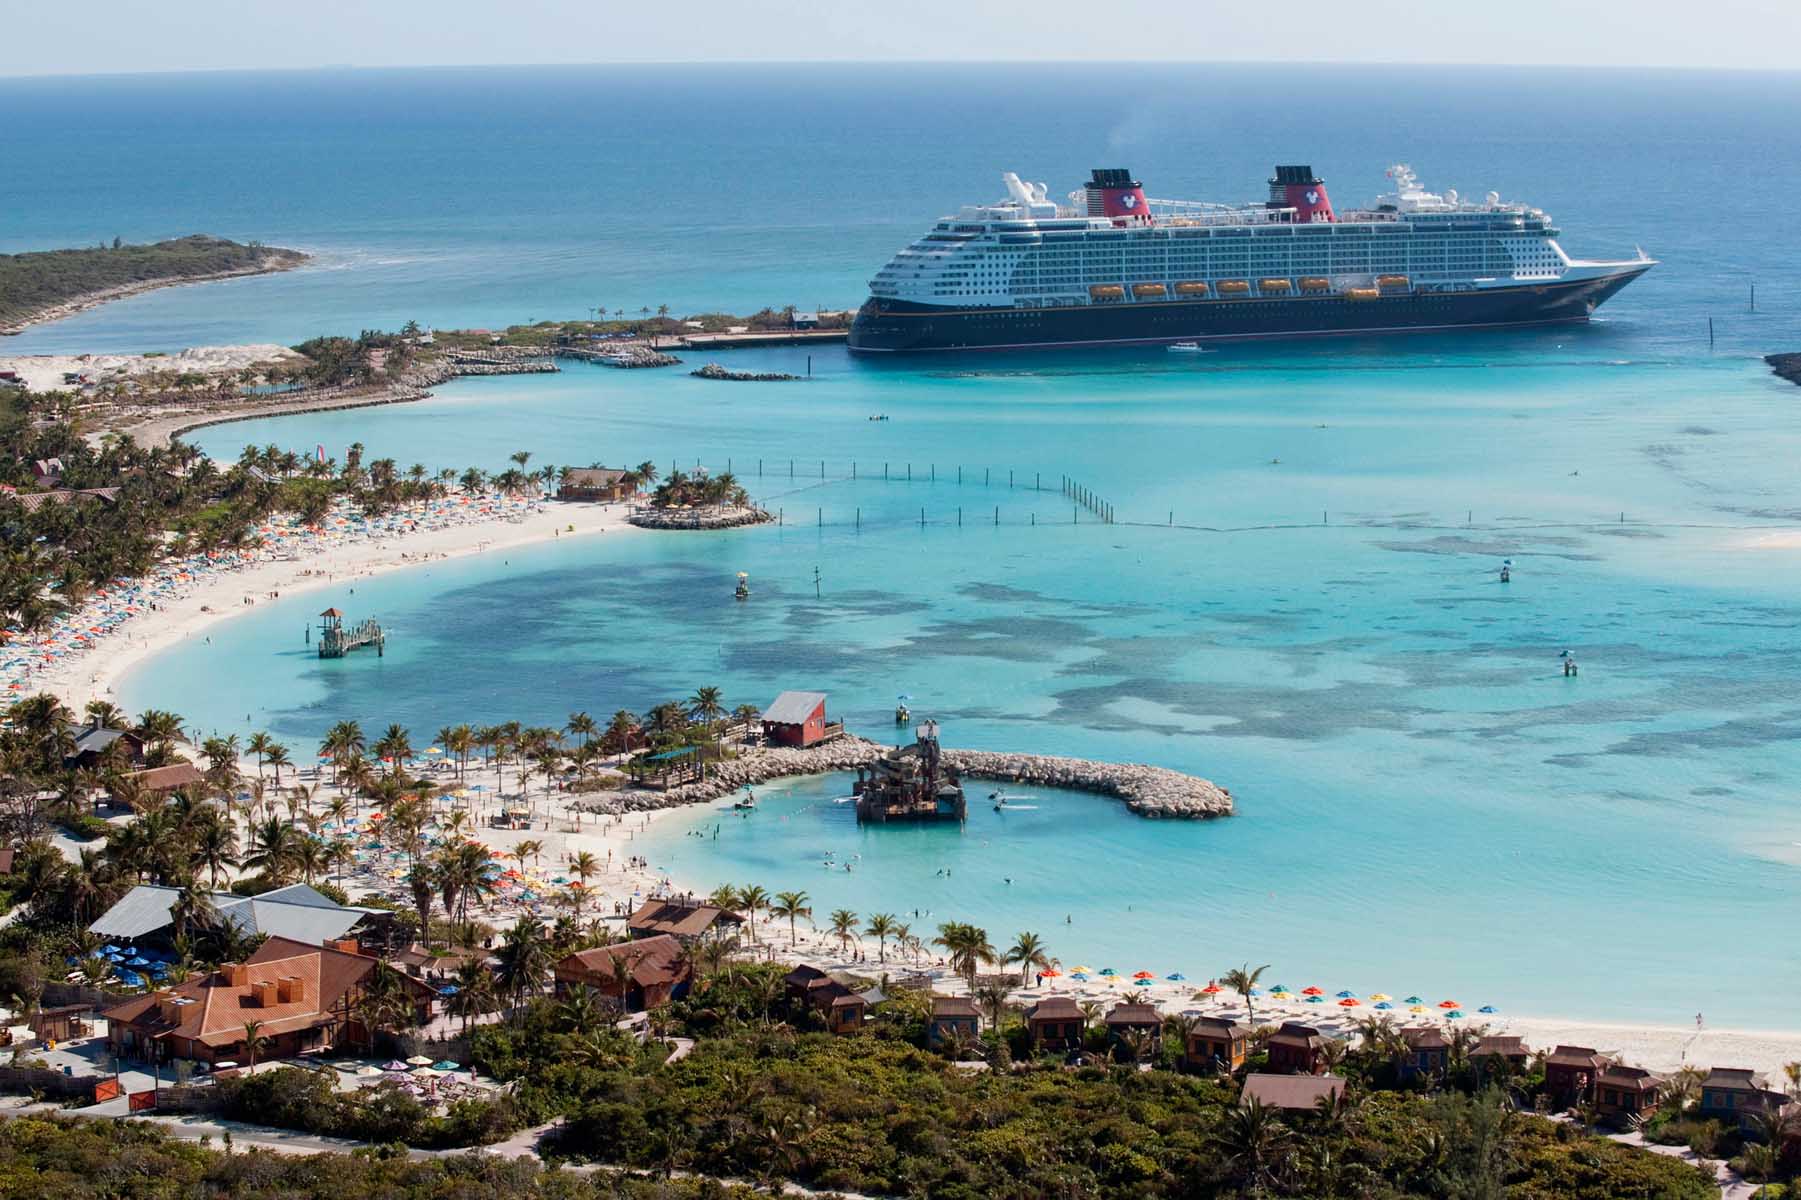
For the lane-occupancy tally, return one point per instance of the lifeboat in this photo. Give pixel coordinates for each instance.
(1107, 291)
(1234, 287)
(1363, 293)
(1316, 283)
(1191, 288)
(1392, 281)
(1269, 286)
(1149, 290)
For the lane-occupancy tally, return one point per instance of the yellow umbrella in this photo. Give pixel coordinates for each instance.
(1379, 996)
(1084, 970)
(1417, 1008)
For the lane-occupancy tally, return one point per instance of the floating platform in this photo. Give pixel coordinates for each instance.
(910, 783)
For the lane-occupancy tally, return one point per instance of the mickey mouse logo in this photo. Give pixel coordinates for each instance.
(1312, 196)
(1129, 200)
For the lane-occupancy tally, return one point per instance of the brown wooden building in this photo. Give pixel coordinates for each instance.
(1738, 1095)
(1056, 1023)
(953, 1017)
(1490, 1054)
(1127, 1023)
(1570, 1074)
(1297, 1049)
(595, 485)
(1428, 1052)
(1290, 1093)
(1216, 1044)
(1622, 1092)
(302, 997)
(684, 920)
(637, 975)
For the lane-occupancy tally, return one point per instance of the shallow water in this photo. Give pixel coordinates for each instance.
(1425, 801)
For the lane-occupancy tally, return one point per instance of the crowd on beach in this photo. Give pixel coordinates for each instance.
(108, 617)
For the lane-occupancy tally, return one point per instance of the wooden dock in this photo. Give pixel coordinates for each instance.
(335, 641)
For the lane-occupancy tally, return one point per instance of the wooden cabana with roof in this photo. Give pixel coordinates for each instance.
(670, 768)
(1056, 1023)
(1129, 1022)
(1216, 1043)
(1297, 1049)
(953, 1017)
(1570, 1073)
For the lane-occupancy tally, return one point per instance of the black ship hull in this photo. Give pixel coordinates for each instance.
(898, 326)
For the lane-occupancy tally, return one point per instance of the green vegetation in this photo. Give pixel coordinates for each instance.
(33, 282)
(83, 1160)
(644, 322)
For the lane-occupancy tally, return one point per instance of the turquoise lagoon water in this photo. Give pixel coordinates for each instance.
(1300, 600)
(1425, 802)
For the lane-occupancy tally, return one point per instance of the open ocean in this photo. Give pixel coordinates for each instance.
(1300, 601)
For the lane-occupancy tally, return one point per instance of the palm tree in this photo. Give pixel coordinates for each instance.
(706, 706)
(581, 725)
(753, 900)
(993, 996)
(1252, 1142)
(1028, 951)
(967, 947)
(583, 866)
(790, 905)
(277, 756)
(394, 748)
(844, 925)
(619, 731)
(1243, 980)
(881, 927)
(253, 1041)
(258, 745)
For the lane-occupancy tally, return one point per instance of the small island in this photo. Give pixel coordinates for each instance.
(45, 285)
(1785, 366)
(696, 501)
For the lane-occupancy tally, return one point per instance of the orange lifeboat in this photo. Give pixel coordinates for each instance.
(1191, 288)
(1149, 291)
(1107, 291)
(1363, 293)
(1393, 281)
(1316, 283)
(1273, 286)
(1234, 287)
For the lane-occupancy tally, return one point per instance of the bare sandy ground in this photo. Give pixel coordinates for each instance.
(44, 372)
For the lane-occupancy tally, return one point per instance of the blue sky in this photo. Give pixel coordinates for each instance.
(105, 36)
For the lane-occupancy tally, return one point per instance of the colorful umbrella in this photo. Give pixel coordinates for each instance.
(1141, 983)
(1108, 971)
(1413, 1000)
(1447, 1004)
(1346, 995)
(1379, 996)
(1349, 1002)
(1312, 991)
(1142, 975)
(1453, 1015)
(1212, 989)
(1316, 999)
(1176, 976)
(1488, 1008)
(1384, 1005)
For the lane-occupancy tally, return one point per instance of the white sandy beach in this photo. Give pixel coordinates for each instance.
(91, 668)
(44, 372)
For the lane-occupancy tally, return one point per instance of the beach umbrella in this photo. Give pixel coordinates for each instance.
(1050, 972)
(1256, 992)
(368, 1071)
(1312, 991)
(109, 949)
(139, 961)
(1417, 1008)
(1447, 1004)
(1316, 999)
(1141, 983)
(1109, 971)
(1142, 975)
(1281, 987)
(418, 1060)
(444, 1064)
(1349, 1002)
(1347, 995)
(449, 989)
(424, 1072)
(1082, 975)
(1176, 977)
(1488, 1008)
(1384, 1005)
(1212, 989)
(1413, 1000)
(1453, 1015)
(1379, 996)
(1082, 969)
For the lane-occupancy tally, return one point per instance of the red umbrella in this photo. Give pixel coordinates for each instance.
(1142, 975)
(1211, 989)
(1312, 991)
(1449, 1004)
(1348, 1002)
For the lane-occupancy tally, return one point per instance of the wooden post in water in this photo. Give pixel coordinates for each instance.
(997, 515)
(859, 517)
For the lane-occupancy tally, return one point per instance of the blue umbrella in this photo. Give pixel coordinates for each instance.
(1347, 995)
(1082, 975)
(1281, 987)
(1488, 1008)
(1256, 991)
(1316, 999)
(449, 989)
(1177, 976)
(1141, 983)
(139, 961)
(1383, 1004)
(109, 949)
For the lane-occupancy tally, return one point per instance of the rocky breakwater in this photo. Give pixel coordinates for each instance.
(715, 371)
(1147, 791)
(720, 516)
(1786, 366)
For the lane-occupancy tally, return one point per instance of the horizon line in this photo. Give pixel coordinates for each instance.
(325, 68)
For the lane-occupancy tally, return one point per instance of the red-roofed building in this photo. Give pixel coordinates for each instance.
(302, 997)
(637, 975)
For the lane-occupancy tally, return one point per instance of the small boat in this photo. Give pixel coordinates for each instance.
(1001, 798)
(747, 804)
(743, 589)
(879, 417)
(1188, 348)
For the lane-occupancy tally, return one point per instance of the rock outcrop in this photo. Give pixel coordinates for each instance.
(1146, 790)
(1787, 366)
(725, 516)
(715, 371)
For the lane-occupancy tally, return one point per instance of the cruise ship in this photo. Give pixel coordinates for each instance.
(1114, 266)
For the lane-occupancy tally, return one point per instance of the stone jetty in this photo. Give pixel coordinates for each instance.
(715, 371)
(1146, 790)
(1786, 366)
(723, 516)
(620, 354)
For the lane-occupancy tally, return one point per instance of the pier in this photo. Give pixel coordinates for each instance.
(335, 641)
